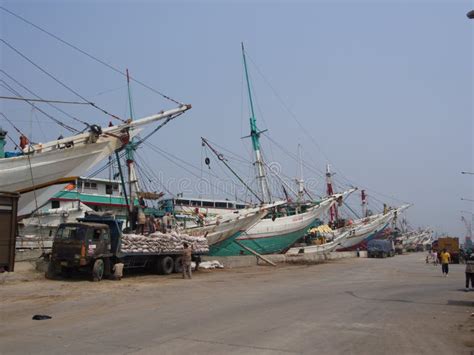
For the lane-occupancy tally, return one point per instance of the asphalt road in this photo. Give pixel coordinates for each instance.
(354, 306)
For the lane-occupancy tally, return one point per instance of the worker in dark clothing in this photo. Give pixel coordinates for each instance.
(470, 271)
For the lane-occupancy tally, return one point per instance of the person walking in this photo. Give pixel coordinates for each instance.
(445, 260)
(434, 256)
(186, 260)
(470, 271)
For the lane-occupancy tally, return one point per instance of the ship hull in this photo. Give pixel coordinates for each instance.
(270, 237)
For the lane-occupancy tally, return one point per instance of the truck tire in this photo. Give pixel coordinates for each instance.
(66, 272)
(166, 265)
(98, 270)
(52, 272)
(178, 264)
(107, 268)
(197, 260)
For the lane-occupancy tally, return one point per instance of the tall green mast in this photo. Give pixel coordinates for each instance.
(255, 135)
(130, 152)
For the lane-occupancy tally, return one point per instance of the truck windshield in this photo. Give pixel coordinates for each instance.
(71, 233)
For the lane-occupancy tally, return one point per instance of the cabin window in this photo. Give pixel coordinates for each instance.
(182, 202)
(221, 204)
(97, 234)
(240, 206)
(55, 204)
(196, 203)
(79, 184)
(108, 189)
(90, 185)
(207, 204)
(116, 187)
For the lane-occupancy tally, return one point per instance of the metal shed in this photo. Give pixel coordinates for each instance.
(8, 228)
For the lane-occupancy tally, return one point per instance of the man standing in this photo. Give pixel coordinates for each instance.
(118, 271)
(186, 260)
(445, 259)
(469, 271)
(434, 256)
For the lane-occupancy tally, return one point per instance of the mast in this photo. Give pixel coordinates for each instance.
(255, 135)
(330, 191)
(133, 187)
(364, 203)
(300, 181)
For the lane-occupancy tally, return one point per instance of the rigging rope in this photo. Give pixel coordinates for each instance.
(164, 155)
(151, 172)
(40, 100)
(104, 167)
(13, 125)
(69, 128)
(37, 96)
(306, 132)
(90, 55)
(59, 81)
(158, 128)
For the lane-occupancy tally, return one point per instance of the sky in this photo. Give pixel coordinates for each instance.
(382, 91)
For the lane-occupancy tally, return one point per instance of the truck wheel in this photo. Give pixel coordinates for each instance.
(66, 272)
(178, 264)
(166, 265)
(107, 268)
(197, 260)
(51, 273)
(98, 270)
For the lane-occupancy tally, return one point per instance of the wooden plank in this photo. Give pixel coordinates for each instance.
(255, 253)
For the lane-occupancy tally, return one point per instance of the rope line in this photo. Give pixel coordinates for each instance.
(89, 55)
(40, 100)
(44, 71)
(37, 96)
(62, 124)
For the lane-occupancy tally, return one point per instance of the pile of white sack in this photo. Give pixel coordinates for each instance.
(162, 243)
(214, 264)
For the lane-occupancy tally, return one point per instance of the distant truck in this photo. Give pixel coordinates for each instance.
(451, 244)
(399, 247)
(420, 247)
(380, 248)
(93, 245)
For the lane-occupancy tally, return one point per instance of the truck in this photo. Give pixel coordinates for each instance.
(420, 247)
(380, 248)
(399, 247)
(451, 244)
(93, 245)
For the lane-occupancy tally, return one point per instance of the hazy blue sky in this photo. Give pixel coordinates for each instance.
(384, 88)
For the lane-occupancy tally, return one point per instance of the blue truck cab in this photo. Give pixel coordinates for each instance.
(380, 248)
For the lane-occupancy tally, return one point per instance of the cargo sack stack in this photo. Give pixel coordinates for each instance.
(162, 243)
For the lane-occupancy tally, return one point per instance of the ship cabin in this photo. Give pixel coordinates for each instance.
(187, 206)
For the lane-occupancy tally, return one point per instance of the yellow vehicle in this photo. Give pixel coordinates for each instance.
(451, 244)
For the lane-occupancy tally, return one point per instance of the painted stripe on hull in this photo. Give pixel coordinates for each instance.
(268, 245)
